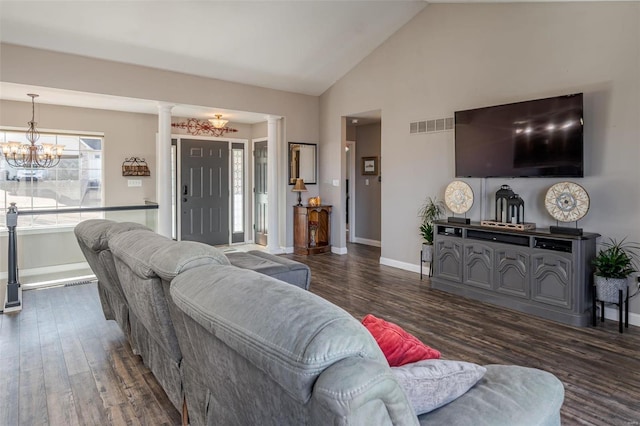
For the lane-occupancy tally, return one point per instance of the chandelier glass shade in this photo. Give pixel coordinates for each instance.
(30, 155)
(218, 122)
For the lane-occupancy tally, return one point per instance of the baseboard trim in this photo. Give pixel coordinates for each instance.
(612, 314)
(338, 250)
(60, 282)
(404, 265)
(288, 250)
(367, 242)
(48, 270)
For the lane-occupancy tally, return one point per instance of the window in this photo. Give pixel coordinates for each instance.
(75, 182)
(237, 186)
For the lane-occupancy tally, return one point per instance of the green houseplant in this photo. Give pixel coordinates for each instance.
(432, 210)
(616, 260)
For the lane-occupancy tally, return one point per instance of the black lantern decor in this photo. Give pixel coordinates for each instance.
(502, 203)
(515, 209)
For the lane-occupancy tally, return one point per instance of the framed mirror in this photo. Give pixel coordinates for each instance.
(303, 162)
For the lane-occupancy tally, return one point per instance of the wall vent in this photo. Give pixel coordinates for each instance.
(431, 126)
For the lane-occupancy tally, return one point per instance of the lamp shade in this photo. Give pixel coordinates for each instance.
(299, 186)
(218, 122)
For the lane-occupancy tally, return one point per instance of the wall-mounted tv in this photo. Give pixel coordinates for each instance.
(538, 138)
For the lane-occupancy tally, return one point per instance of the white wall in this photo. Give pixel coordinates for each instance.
(458, 56)
(125, 135)
(134, 134)
(300, 113)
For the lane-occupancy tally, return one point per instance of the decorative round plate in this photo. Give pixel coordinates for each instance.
(567, 202)
(458, 197)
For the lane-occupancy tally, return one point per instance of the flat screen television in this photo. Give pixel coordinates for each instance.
(537, 138)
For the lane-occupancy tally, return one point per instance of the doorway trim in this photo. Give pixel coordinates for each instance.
(352, 189)
(253, 187)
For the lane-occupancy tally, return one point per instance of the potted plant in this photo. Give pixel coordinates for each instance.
(615, 261)
(432, 210)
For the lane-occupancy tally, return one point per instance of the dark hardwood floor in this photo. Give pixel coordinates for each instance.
(61, 363)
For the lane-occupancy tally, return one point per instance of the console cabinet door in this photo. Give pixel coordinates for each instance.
(448, 256)
(512, 271)
(551, 278)
(478, 265)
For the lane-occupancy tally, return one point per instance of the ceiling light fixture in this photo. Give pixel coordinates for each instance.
(213, 127)
(218, 122)
(29, 155)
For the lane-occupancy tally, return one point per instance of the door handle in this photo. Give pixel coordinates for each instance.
(185, 190)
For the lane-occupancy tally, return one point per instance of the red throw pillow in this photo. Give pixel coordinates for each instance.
(398, 346)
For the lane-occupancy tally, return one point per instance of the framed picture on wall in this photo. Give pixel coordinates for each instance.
(370, 165)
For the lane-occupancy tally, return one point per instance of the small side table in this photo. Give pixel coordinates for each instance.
(623, 303)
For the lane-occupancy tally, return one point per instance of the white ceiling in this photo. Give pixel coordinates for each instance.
(300, 46)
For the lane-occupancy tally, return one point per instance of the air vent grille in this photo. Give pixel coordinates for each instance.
(431, 126)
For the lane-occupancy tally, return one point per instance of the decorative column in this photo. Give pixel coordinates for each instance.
(163, 169)
(13, 299)
(273, 240)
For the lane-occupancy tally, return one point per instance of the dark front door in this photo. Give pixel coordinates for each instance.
(260, 191)
(204, 191)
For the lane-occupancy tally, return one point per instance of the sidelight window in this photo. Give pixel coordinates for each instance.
(237, 187)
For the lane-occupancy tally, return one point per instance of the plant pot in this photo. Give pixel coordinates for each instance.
(607, 288)
(427, 252)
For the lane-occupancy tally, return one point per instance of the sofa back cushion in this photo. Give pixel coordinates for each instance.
(143, 290)
(95, 233)
(289, 334)
(172, 259)
(93, 238)
(135, 248)
(143, 259)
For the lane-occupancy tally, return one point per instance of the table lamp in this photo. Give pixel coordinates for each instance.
(299, 187)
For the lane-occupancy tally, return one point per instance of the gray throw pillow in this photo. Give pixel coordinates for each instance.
(432, 383)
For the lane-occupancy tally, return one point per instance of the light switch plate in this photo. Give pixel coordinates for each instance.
(134, 182)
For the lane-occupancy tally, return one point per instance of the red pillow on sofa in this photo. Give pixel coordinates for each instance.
(398, 346)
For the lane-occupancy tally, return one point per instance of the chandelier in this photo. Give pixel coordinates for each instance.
(30, 155)
(214, 126)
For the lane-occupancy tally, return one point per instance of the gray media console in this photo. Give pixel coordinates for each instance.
(536, 272)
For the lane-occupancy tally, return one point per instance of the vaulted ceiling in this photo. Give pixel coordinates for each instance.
(297, 46)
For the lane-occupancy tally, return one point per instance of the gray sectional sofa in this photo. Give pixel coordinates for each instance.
(240, 347)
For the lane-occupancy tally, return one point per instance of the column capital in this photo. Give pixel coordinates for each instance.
(165, 106)
(273, 118)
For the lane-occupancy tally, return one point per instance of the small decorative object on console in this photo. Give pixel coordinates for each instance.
(502, 202)
(313, 228)
(509, 211)
(459, 198)
(566, 202)
(314, 201)
(516, 209)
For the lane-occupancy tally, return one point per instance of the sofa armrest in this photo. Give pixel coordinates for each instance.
(357, 391)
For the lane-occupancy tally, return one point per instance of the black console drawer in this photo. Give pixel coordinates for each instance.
(451, 231)
(564, 246)
(518, 240)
